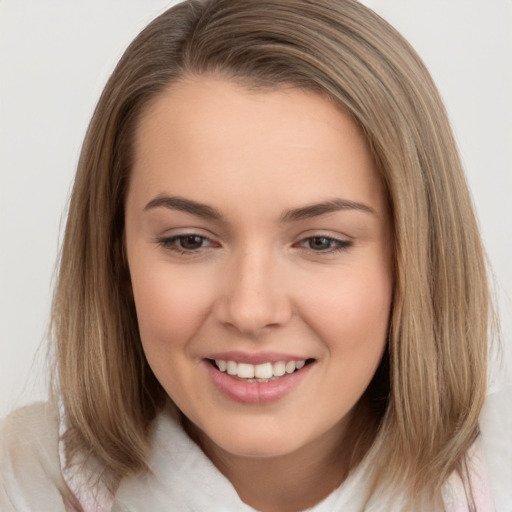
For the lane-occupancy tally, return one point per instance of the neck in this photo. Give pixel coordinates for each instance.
(286, 483)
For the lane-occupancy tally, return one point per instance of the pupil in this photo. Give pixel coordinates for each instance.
(191, 242)
(320, 243)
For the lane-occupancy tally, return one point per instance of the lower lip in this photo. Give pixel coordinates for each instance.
(255, 392)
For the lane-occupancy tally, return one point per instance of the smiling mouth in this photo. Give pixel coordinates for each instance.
(264, 372)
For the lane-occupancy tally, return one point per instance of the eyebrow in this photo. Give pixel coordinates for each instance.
(184, 205)
(331, 206)
(306, 212)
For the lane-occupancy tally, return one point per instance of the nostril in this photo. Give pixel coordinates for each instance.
(252, 309)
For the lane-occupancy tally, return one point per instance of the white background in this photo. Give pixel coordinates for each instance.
(55, 56)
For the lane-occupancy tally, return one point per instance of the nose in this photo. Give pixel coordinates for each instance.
(254, 297)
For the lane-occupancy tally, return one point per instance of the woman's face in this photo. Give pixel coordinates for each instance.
(259, 243)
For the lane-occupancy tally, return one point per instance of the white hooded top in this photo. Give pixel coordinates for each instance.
(35, 477)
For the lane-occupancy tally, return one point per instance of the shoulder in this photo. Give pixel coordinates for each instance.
(31, 422)
(29, 461)
(29, 436)
(496, 440)
(490, 458)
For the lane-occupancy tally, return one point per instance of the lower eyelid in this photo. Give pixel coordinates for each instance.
(172, 242)
(344, 243)
(338, 244)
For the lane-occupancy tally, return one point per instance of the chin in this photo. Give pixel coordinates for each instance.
(254, 441)
(256, 448)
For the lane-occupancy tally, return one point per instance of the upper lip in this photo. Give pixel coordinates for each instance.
(255, 357)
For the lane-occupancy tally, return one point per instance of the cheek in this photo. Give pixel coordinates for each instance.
(170, 305)
(351, 315)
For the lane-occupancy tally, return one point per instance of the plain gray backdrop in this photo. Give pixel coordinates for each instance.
(55, 56)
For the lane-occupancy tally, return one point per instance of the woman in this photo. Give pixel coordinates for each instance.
(272, 292)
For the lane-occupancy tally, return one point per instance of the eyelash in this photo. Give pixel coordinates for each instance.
(173, 243)
(335, 244)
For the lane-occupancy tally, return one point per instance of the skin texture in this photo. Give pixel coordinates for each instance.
(260, 281)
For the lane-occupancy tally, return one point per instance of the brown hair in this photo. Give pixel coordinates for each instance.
(430, 388)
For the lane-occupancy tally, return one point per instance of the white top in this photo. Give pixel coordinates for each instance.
(184, 479)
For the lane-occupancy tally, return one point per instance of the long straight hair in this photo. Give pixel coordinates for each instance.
(430, 388)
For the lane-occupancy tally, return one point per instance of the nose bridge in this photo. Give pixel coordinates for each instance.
(254, 297)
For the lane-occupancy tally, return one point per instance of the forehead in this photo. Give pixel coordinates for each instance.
(210, 137)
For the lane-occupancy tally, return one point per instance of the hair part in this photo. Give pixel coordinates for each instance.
(426, 398)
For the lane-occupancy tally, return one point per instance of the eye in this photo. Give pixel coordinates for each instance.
(190, 242)
(324, 244)
(185, 243)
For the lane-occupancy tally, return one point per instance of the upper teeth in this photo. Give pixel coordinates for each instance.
(259, 371)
